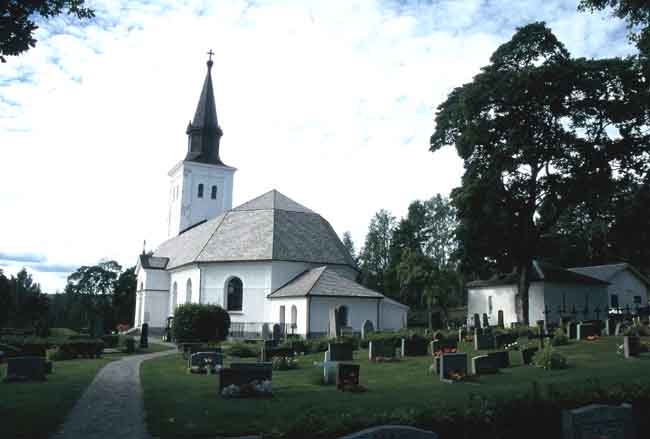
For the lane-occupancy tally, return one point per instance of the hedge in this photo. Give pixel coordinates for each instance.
(202, 323)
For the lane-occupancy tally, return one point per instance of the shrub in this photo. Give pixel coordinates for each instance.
(637, 330)
(129, 344)
(549, 359)
(62, 332)
(111, 340)
(284, 363)
(199, 322)
(314, 346)
(559, 338)
(243, 350)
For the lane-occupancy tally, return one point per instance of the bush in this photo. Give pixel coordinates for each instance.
(243, 350)
(62, 332)
(110, 340)
(559, 338)
(316, 345)
(129, 345)
(199, 322)
(549, 359)
(284, 363)
(637, 330)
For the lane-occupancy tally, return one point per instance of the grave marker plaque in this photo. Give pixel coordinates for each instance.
(340, 351)
(483, 365)
(631, 346)
(598, 421)
(483, 342)
(144, 336)
(25, 369)
(501, 358)
(453, 365)
(347, 375)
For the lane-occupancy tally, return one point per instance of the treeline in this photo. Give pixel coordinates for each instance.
(95, 300)
(413, 260)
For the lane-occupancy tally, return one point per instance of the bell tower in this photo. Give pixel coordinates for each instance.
(200, 186)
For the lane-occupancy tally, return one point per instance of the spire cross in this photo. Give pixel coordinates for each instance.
(210, 53)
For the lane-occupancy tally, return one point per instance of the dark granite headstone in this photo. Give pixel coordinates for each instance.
(527, 355)
(500, 323)
(25, 369)
(486, 322)
(347, 375)
(584, 330)
(144, 336)
(444, 345)
(503, 339)
(502, 359)
(416, 347)
(483, 365)
(572, 330)
(277, 331)
(380, 349)
(631, 346)
(599, 422)
(340, 351)
(451, 364)
(483, 342)
(208, 361)
(477, 321)
(244, 373)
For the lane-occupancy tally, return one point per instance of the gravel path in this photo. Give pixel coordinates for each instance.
(112, 406)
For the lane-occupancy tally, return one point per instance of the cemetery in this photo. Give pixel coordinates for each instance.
(429, 391)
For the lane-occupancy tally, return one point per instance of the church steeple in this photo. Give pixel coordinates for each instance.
(204, 132)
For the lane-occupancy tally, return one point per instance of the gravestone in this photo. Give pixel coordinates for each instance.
(598, 421)
(527, 355)
(333, 329)
(500, 323)
(631, 346)
(381, 349)
(610, 326)
(461, 334)
(366, 329)
(414, 347)
(483, 365)
(392, 432)
(277, 331)
(25, 369)
(452, 364)
(443, 345)
(266, 331)
(502, 359)
(486, 322)
(585, 330)
(144, 336)
(205, 361)
(572, 330)
(347, 375)
(340, 351)
(503, 339)
(477, 321)
(483, 342)
(240, 374)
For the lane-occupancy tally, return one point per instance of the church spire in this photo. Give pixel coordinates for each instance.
(204, 133)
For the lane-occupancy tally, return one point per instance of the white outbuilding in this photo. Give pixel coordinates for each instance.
(270, 260)
(554, 292)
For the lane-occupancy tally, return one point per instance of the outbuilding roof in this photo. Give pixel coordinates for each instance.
(542, 272)
(269, 227)
(608, 271)
(323, 281)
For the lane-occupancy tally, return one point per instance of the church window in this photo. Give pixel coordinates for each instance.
(294, 316)
(200, 195)
(282, 315)
(188, 291)
(343, 316)
(637, 300)
(213, 195)
(234, 291)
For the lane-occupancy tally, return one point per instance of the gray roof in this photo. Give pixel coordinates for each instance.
(323, 281)
(151, 262)
(607, 272)
(269, 227)
(542, 272)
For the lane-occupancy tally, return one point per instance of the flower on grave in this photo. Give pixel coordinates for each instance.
(231, 391)
(456, 375)
(591, 337)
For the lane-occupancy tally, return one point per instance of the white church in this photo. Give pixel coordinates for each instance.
(270, 260)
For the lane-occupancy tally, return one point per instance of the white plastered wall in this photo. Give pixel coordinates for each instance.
(626, 285)
(359, 310)
(256, 280)
(152, 287)
(393, 317)
(181, 276)
(568, 295)
(503, 298)
(301, 312)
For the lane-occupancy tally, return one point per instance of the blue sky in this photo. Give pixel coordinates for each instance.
(330, 102)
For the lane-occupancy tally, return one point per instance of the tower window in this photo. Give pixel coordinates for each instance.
(213, 195)
(200, 190)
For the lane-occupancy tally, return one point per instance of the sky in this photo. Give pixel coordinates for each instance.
(330, 102)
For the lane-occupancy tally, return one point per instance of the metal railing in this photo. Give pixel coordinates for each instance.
(246, 330)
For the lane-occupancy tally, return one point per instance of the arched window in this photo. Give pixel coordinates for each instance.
(188, 291)
(172, 305)
(213, 195)
(234, 294)
(294, 316)
(282, 315)
(343, 316)
(200, 190)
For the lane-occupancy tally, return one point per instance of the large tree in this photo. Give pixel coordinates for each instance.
(375, 254)
(18, 21)
(349, 245)
(535, 128)
(124, 296)
(6, 299)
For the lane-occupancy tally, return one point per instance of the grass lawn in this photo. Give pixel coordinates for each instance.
(33, 410)
(182, 405)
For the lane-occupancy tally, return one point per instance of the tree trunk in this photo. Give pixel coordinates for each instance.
(523, 288)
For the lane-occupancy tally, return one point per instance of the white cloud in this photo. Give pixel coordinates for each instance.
(332, 103)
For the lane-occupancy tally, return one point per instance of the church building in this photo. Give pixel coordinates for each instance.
(267, 261)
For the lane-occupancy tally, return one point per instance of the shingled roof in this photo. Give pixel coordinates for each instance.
(269, 227)
(324, 281)
(542, 272)
(607, 272)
